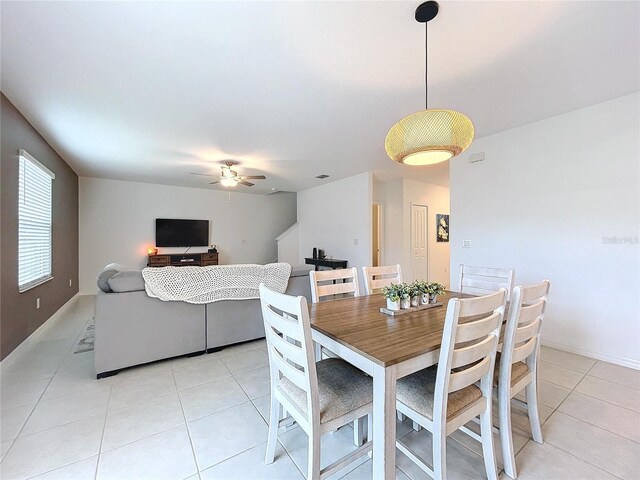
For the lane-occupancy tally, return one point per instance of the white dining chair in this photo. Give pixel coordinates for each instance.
(320, 396)
(443, 398)
(484, 280)
(377, 277)
(329, 283)
(326, 285)
(518, 365)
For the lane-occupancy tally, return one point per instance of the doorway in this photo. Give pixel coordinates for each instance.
(376, 235)
(419, 248)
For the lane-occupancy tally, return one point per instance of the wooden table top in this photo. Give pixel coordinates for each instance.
(386, 340)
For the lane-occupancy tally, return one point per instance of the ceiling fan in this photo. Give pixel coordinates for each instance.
(230, 178)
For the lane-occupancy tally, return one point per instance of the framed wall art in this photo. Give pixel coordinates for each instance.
(442, 227)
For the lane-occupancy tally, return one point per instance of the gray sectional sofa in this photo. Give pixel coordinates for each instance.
(132, 328)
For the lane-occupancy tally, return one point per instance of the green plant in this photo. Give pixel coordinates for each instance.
(405, 290)
(415, 289)
(421, 287)
(392, 292)
(435, 288)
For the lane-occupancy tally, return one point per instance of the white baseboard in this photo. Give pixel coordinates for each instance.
(31, 339)
(605, 357)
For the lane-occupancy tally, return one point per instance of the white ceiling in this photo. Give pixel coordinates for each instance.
(150, 91)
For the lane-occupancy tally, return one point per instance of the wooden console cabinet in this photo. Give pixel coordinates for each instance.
(183, 260)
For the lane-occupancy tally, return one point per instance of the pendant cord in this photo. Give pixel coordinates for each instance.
(426, 67)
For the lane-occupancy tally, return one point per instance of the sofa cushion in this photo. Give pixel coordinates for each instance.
(127, 281)
(106, 273)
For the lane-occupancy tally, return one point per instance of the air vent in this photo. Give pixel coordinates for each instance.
(322, 177)
(476, 157)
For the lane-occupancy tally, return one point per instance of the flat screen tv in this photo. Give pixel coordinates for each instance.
(173, 232)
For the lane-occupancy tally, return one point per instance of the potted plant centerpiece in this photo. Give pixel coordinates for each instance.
(415, 294)
(424, 292)
(405, 295)
(434, 289)
(392, 294)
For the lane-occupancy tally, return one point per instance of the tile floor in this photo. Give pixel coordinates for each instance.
(204, 418)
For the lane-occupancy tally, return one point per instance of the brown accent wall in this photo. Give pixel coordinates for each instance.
(18, 314)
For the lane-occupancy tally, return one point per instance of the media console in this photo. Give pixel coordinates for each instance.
(183, 260)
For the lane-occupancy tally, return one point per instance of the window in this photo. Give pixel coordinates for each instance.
(34, 222)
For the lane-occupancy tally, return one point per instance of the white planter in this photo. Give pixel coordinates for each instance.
(415, 301)
(394, 306)
(433, 298)
(405, 303)
(424, 298)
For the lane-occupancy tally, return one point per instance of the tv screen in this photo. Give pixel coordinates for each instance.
(172, 232)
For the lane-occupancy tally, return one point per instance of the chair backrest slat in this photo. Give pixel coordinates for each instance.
(470, 331)
(524, 333)
(482, 280)
(523, 351)
(469, 376)
(290, 351)
(289, 345)
(377, 277)
(322, 283)
(296, 376)
(528, 313)
(335, 289)
(535, 292)
(472, 353)
(283, 324)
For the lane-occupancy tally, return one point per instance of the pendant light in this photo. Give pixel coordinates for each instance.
(432, 135)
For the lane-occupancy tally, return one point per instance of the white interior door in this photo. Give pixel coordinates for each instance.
(419, 253)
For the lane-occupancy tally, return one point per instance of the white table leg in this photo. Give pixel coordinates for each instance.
(384, 422)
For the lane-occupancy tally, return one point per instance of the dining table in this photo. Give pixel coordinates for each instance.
(386, 347)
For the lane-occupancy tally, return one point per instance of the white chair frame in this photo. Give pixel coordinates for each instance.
(521, 343)
(472, 345)
(377, 277)
(484, 280)
(291, 354)
(319, 291)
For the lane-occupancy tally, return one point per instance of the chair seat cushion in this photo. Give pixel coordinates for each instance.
(342, 389)
(416, 392)
(518, 371)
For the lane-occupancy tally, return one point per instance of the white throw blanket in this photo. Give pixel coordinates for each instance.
(212, 284)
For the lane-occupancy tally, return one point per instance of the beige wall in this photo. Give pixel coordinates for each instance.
(18, 314)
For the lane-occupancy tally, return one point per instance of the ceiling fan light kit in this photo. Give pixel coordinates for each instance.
(228, 182)
(432, 135)
(230, 178)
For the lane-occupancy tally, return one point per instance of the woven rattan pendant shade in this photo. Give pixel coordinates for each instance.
(428, 137)
(432, 135)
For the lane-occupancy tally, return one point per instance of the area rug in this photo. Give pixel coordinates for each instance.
(88, 339)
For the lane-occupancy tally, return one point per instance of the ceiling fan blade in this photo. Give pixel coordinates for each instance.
(253, 177)
(248, 184)
(203, 174)
(213, 183)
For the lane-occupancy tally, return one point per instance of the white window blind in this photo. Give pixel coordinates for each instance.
(34, 222)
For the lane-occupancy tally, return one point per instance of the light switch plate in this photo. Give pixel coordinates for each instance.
(466, 244)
